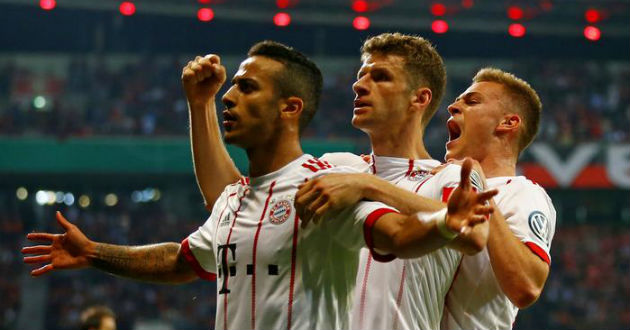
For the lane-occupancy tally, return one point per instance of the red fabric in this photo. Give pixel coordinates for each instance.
(367, 234)
(446, 193)
(296, 228)
(195, 264)
(539, 252)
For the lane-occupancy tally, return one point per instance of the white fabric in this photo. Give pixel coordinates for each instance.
(405, 294)
(476, 300)
(306, 280)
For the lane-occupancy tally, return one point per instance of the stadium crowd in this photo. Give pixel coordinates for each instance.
(582, 102)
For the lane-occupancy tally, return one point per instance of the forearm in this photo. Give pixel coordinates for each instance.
(160, 263)
(406, 236)
(405, 201)
(214, 169)
(520, 273)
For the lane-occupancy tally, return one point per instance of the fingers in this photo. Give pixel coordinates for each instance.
(315, 206)
(484, 210)
(37, 249)
(40, 236)
(476, 219)
(38, 259)
(486, 195)
(203, 68)
(464, 181)
(62, 221)
(42, 270)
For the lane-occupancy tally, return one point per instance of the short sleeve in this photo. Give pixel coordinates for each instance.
(198, 247)
(531, 217)
(355, 225)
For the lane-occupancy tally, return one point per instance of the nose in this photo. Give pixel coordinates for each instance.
(228, 98)
(359, 87)
(453, 109)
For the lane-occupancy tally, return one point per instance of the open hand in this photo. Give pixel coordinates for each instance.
(70, 250)
(467, 208)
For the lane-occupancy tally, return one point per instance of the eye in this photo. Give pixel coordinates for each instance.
(245, 87)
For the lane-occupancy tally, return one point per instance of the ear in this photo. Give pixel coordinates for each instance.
(510, 123)
(421, 98)
(291, 108)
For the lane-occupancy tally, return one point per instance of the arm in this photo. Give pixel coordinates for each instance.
(521, 273)
(162, 263)
(407, 236)
(214, 169)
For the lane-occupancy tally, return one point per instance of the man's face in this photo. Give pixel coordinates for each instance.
(251, 104)
(475, 115)
(382, 94)
(108, 323)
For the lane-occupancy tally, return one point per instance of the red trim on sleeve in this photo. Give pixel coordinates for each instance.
(539, 252)
(190, 257)
(367, 234)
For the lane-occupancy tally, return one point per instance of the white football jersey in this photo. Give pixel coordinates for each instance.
(271, 273)
(404, 294)
(476, 300)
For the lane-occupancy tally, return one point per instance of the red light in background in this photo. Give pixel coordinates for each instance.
(361, 23)
(515, 12)
(516, 30)
(468, 3)
(546, 5)
(204, 1)
(205, 14)
(283, 3)
(592, 33)
(592, 15)
(360, 6)
(439, 26)
(282, 19)
(47, 4)
(127, 8)
(438, 9)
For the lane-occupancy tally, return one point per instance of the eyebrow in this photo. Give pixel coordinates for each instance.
(236, 80)
(466, 95)
(362, 72)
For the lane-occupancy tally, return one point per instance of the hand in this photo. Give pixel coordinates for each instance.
(331, 192)
(202, 78)
(467, 208)
(475, 166)
(69, 250)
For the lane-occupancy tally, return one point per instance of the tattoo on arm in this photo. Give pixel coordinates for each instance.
(155, 263)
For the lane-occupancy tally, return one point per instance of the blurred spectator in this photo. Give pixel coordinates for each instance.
(98, 318)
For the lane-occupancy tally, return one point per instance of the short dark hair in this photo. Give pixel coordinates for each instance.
(423, 64)
(91, 317)
(302, 77)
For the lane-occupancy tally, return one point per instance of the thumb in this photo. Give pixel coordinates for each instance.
(62, 221)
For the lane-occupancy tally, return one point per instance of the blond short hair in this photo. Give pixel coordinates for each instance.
(423, 64)
(523, 97)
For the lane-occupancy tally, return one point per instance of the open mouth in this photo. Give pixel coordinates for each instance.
(229, 120)
(454, 131)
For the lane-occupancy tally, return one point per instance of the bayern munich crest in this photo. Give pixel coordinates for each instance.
(280, 212)
(417, 175)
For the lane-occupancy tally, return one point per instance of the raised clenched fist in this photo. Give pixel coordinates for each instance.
(202, 78)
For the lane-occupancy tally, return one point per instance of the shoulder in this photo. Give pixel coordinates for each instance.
(346, 159)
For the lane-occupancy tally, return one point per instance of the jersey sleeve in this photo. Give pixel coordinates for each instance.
(352, 227)
(198, 248)
(531, 216)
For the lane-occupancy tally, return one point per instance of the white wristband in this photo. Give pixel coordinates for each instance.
(440, 222)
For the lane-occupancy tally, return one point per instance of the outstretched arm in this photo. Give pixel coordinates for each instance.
(214, 169)
(409, 236)
(162, 263)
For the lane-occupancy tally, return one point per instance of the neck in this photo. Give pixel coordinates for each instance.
(406, 142)
(500, 162)
(274, 154)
